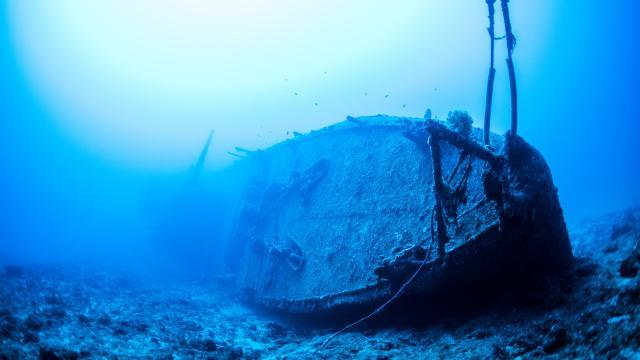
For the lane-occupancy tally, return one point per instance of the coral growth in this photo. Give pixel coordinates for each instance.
(460, 122)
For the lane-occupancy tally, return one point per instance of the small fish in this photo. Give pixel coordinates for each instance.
(386, 96)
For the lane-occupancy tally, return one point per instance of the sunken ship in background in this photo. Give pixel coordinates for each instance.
(335, 221)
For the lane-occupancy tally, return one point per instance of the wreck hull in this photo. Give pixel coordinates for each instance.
(339, 218)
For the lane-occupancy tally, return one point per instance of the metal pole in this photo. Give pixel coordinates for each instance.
(492, 72)
(511, 43)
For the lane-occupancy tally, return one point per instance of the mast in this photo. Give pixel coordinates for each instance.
(197, 169)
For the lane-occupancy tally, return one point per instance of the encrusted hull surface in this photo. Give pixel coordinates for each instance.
(339, 218)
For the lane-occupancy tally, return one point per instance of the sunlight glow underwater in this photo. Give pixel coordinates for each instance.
(105, 105)
(143, 82)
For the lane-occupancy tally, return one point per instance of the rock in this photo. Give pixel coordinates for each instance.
(54, 313)
(13, 271)
(209, 345)
(513, 350)
(385, 345)
(557, 338)
(47, 353)
(630, 266)
(206, 345)
(30, 337)
(8, 324)
(480, 334)
(591, 331)
(630, 294)
(12, 353)
(141, 326)
(230, 353)
(584, 268)
(611, 248)
(53, 299)
(83, 319)
(276, 331)
(104, 320)
(618, 319)
(523, 344)
(135, 325)
(33, 322)
(629, 353)
(623, 227)
(84, 353)
(500, 352)
(192, 326)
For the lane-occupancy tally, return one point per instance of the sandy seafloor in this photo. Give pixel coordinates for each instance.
(65, 312)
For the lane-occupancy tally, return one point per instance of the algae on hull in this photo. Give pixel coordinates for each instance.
(338, 218)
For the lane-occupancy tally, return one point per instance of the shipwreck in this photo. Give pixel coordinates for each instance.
(348, 218)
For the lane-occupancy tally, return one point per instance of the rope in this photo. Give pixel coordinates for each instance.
(388, 302)
(461, 186)
(406, 284)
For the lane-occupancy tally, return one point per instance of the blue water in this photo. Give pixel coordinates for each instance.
(61, 200)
